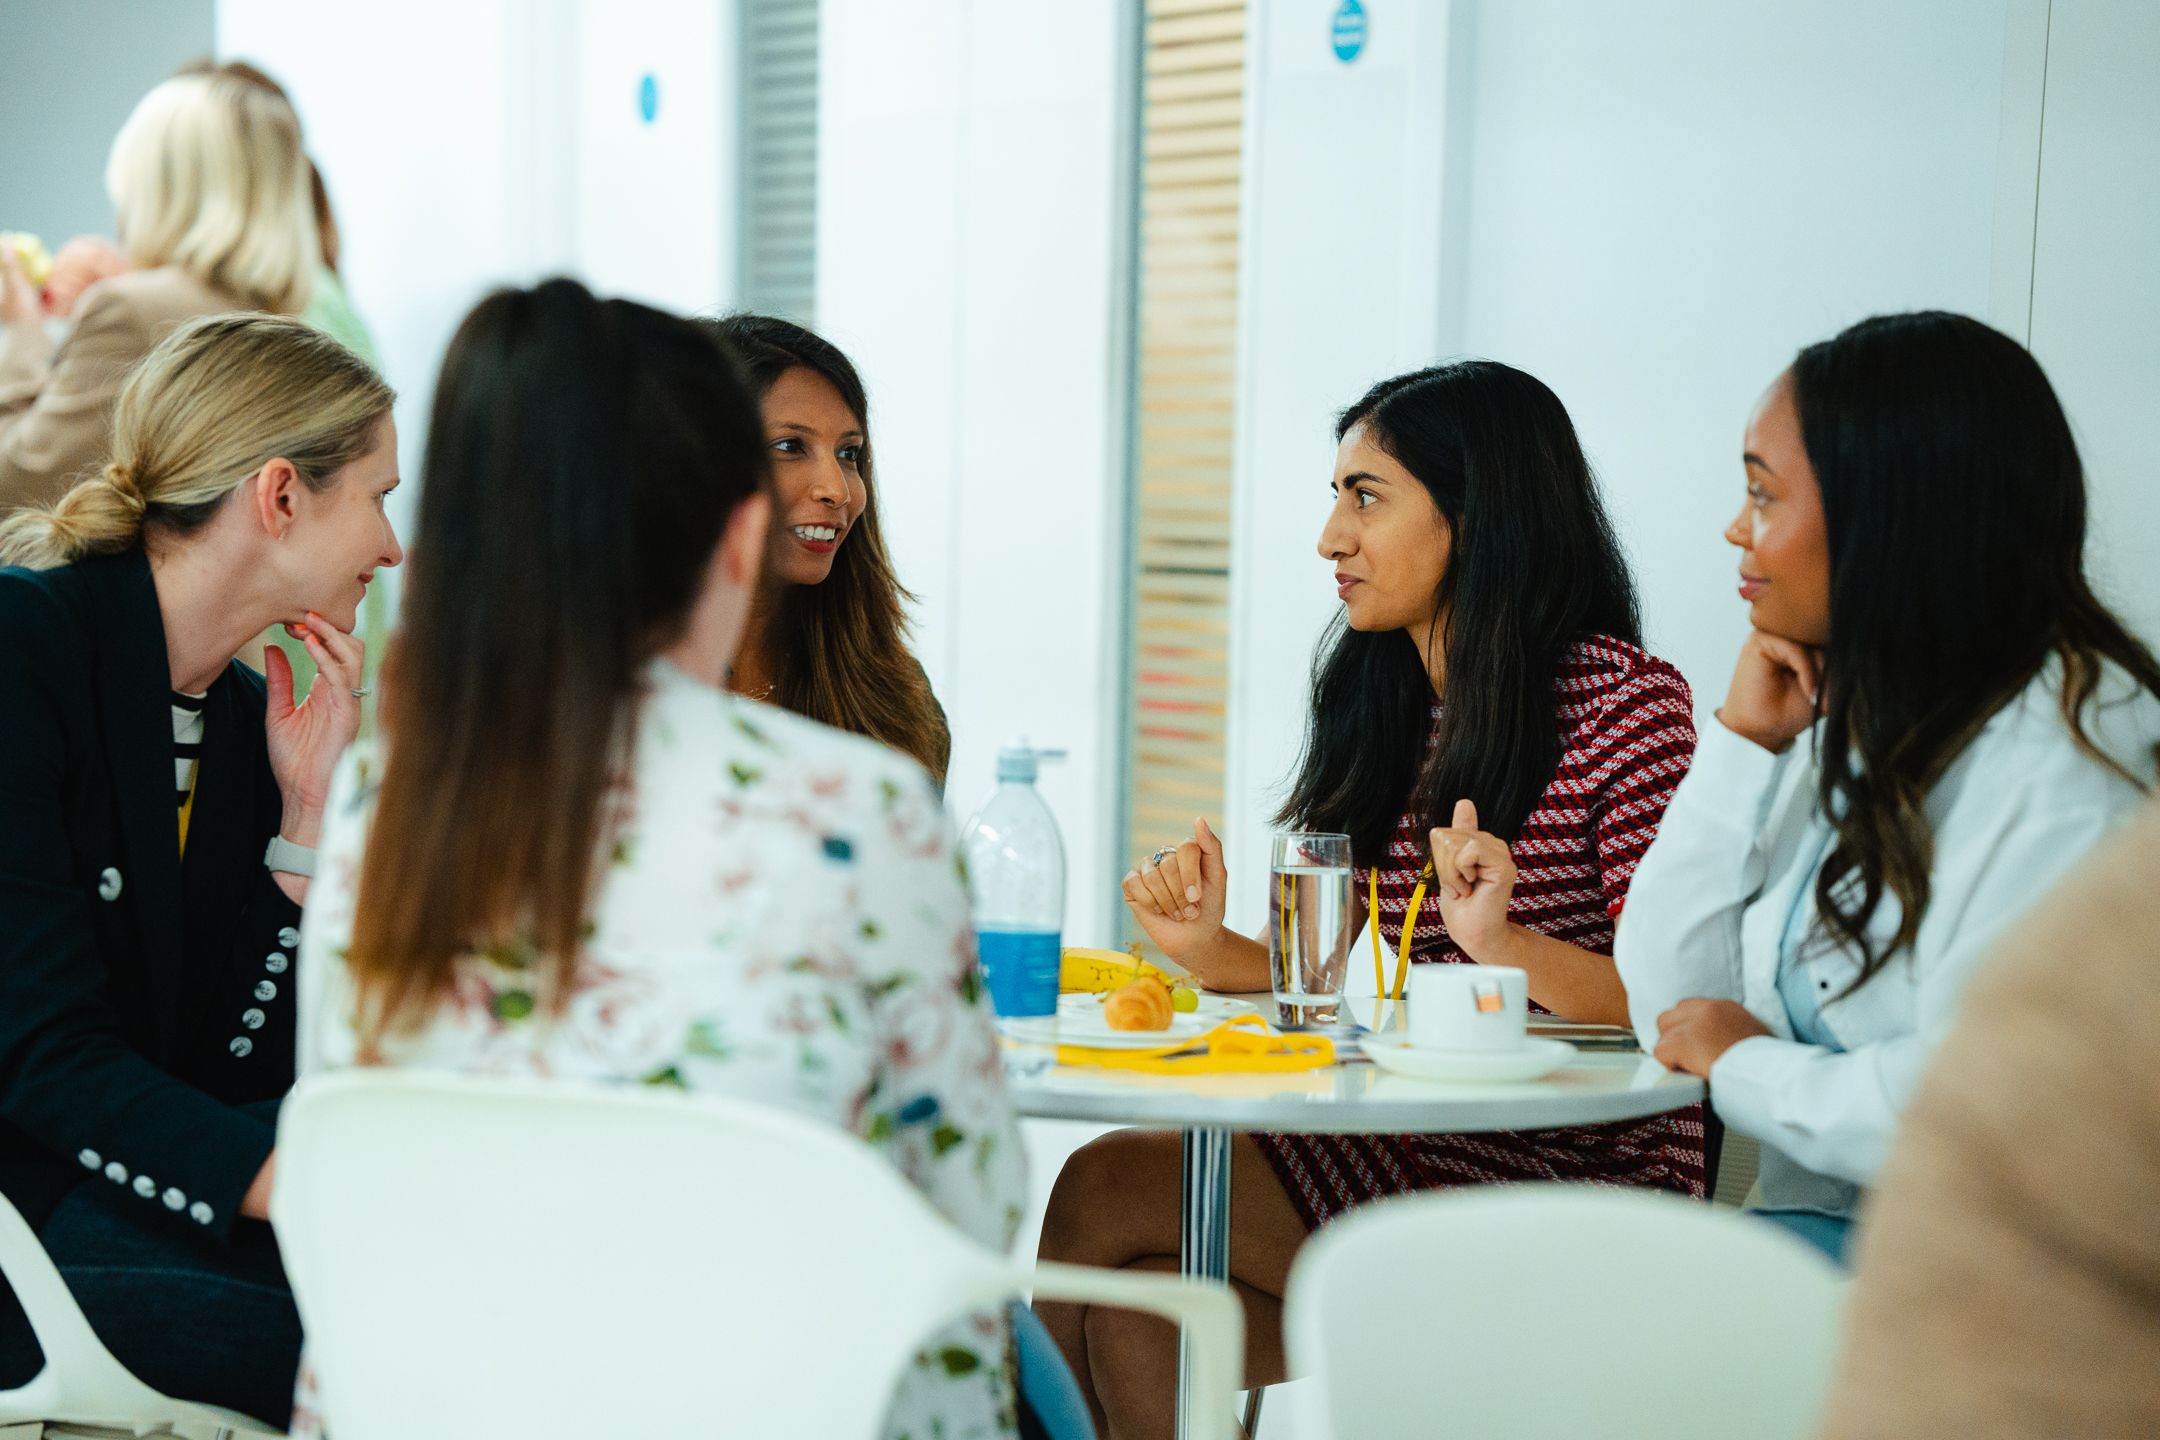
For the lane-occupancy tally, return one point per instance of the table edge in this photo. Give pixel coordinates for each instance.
(1145, 1109)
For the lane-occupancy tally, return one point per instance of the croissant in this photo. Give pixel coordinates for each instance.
(1142, 1005)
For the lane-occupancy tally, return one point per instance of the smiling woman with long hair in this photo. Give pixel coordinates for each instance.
(1487, 728)
(1932, 719)
(828, 638)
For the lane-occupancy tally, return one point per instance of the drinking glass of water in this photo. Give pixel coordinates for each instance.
(1310, 925)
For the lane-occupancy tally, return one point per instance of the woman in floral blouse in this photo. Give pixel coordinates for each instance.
(578, 856)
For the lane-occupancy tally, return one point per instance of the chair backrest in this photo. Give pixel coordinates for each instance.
(81, 1383)
(1554, 1312)
(541, 1259)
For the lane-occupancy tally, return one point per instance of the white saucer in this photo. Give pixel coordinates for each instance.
(1532, 1060)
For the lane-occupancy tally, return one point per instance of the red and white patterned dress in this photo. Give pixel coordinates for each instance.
(1627, 734)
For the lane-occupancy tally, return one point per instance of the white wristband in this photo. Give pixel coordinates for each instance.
(291, 859)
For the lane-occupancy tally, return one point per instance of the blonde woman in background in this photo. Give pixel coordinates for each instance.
(210, 189)
(158, 808)
(329, 308)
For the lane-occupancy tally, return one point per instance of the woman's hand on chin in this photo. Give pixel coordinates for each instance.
(307, 734)
(1774, 689)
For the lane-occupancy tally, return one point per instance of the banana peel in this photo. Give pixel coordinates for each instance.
(1098, 972)
(1101, 971)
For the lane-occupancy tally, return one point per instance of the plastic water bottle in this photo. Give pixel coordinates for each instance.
(1016, 878)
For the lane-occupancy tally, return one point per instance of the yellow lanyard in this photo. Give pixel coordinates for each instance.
(1409, 931)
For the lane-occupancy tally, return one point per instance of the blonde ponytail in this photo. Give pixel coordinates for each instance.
(198, 418)
(96, 517)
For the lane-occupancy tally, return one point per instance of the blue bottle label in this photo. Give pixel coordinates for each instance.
(1021, 968)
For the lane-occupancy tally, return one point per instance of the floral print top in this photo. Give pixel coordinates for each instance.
(779, 916)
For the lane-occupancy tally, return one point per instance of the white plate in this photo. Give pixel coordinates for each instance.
(1533, 1060)
(1079, 1021)
(1215, 1008)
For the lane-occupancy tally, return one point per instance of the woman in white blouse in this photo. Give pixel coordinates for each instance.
(578, 856)
(1932, 720)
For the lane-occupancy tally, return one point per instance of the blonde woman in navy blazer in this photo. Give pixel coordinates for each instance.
(158, 805)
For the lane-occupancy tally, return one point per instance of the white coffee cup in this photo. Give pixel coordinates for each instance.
(1468, 1007)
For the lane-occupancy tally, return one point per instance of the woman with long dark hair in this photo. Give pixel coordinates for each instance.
(1487, 728)
(576, 854)
(828, 637)
(1932, 719)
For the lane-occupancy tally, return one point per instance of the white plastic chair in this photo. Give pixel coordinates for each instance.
(82, 1385)
(1553, 1312)
(556, 1261)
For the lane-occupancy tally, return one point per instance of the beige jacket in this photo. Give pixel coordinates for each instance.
(56, 407)
(2008, 1269)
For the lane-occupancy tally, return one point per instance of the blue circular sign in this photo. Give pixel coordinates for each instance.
(648, 95)
(1349, 31)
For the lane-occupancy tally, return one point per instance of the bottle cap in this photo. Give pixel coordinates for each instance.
(1019, 762)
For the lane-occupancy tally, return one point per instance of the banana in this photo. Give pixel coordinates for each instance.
(36, 264)
(1101, 971)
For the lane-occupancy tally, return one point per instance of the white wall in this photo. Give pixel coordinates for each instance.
(2096, 277)
(69, 75)
(1650, 207)
(1665, 201)
(971, 220)
(492, 142)
(1340, 287)
(436, 159)
(970, 227)
(655, 212)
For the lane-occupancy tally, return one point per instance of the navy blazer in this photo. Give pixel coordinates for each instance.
(146, 1006)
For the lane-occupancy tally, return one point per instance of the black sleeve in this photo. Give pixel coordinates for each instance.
(69, 1079)
(268, 925)
(264, 930)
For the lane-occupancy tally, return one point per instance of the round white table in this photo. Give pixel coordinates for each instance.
(1354, 1097)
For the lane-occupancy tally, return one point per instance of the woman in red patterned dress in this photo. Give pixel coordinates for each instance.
(1483, 706)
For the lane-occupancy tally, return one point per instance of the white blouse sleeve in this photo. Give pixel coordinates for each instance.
(1679, 934)
(941, 1112)
(326, 923)
(1835, 1112)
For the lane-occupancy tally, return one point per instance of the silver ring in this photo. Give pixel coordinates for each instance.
(363, 692)
(1156, 859)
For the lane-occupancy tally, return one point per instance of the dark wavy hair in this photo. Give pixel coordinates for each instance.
(1535, 568)
(1954, 505)
(839, 649)
(583, 459)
